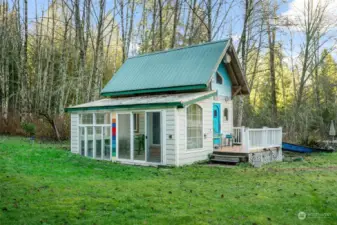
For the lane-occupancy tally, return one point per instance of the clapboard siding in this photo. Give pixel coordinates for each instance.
(170, 142)
(188, 156)
(227, 126)
(74, 133)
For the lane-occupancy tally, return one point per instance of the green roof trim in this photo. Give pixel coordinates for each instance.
(138, 106)
(176, 103)
(182, 69)
(199, 99)
(157, 90)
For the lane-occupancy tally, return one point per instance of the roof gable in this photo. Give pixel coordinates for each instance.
(183, 68)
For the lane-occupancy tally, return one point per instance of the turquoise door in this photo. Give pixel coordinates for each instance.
(216, 124)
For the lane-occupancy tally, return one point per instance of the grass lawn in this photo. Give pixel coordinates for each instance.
(45, 184)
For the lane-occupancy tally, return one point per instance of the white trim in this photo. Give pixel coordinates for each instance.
(163, 134)
(131, 136)
(94, 142)
(103, 142)
(146, 137)
(79, 136)
(117, 147)
(195, 150)
(85, 142)
(219, 61)
(139, 162)
(176, 136)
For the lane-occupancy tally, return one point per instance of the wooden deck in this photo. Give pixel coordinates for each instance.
(234, 148)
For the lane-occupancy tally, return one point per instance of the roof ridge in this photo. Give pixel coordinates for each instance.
(179, 48)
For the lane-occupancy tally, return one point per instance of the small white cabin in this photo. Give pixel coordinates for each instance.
(172, 107)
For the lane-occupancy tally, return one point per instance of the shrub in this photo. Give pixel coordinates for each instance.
(29, 128)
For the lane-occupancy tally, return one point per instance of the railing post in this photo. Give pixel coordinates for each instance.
(242, 131)
(280, 137)
(247, 140)
(264, 136)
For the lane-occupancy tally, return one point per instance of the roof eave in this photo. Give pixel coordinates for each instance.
(135, 106)
(155, 90)
(178, 104)
(238, 71)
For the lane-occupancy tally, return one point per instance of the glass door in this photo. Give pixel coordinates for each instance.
(139, 136)
(153, 136)
(124, 136)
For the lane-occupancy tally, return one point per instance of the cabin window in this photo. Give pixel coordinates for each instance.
(95, 135)
(225, 114)
(86, 118)
(194, 127)
(218, 78)
(102, 118)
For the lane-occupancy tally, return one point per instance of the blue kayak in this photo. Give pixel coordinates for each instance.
(302, 149)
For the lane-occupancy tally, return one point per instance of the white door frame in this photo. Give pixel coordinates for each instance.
(163, 135)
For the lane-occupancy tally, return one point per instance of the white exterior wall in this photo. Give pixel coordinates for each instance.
(168, 118)
(170, 137)
(74, 133)
(189, 156)
(175, 132)
(226, 126)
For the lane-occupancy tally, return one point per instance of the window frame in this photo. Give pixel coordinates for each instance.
(202, 129)
(94, 125)
(135, 122)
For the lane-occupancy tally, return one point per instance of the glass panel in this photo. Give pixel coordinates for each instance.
(90, 140)
(156, 128)
(136, 122)
(98, 139)
(139, 136)
(82, 141)
(153, 133)
(107, 146)
(124, 136)
(194, 127)
(218, 78)
(225, 114)
(86, 118)
(102, 118)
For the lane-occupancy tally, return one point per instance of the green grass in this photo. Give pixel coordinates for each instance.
(45, 184)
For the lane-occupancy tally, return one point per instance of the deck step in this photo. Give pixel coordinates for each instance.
(229, 158)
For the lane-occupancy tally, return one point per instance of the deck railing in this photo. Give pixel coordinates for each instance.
(251, 139)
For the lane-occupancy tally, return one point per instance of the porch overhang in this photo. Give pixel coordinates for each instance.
(144, 102)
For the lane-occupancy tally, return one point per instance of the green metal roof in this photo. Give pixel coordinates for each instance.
(144, 101)
(188, 68)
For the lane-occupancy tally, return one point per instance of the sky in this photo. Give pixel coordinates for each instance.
(290, 9)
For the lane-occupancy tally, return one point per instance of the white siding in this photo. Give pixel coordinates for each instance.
(74, 133)
(227, 126)
(175, 132)
(189, 156)
(170, 137)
